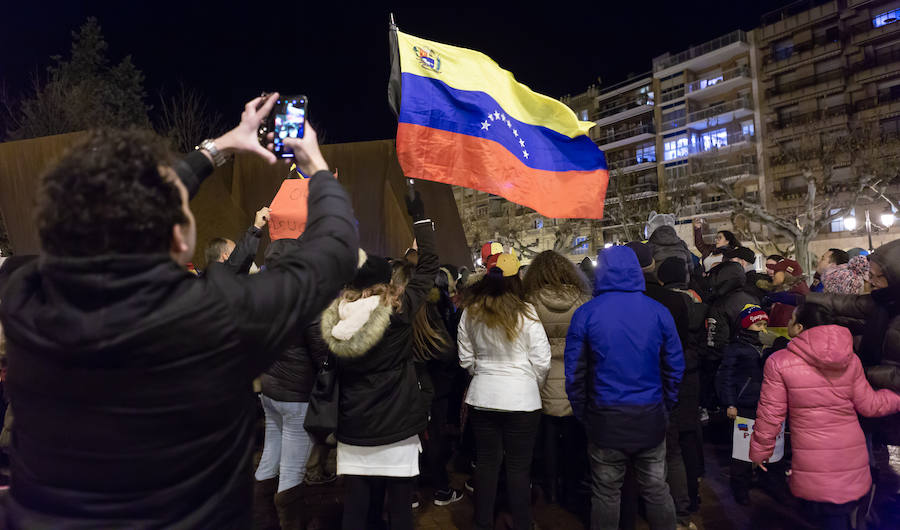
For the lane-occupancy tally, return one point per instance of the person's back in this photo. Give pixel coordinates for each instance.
(819, 382)
(619, 335)
(132, 378)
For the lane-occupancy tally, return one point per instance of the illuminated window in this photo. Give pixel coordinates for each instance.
(747, 128)
(675, 148)
(710, 82)
(886, 18)
(645, 153)
(714, 139)
(539, 223)
(584, 115)
(581, 245)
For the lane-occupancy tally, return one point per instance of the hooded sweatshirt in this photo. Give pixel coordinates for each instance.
(819, 382)
(667, 244)
(623, 358)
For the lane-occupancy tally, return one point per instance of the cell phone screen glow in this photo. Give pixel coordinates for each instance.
(290, 120)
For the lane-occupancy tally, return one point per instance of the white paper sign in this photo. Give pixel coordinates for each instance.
(740, 443)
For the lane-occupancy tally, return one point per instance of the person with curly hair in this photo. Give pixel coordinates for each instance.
(131, 377)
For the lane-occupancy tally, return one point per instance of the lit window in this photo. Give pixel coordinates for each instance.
(747, 128)
(714, 139)
(581, 245)
(838, 224)
(886, 18)
(584, 115)
(646, 153)
(539, 223)
(783, 49)
(675, 148)
(710, 82)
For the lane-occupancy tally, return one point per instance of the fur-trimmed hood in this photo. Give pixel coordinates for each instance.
(363, 339)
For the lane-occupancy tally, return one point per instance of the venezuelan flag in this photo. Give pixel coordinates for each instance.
(463, 120)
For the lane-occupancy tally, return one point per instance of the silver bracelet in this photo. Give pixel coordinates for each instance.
(210, 147)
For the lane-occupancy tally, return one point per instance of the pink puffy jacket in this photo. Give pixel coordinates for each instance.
(820, 381)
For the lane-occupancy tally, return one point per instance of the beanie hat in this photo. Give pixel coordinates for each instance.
(751, 314)
(847, 278)
(509, 264)
(742, 253)
(789, 266)
(643, 252)
(374, 271)
(656, 220)
(672, 270)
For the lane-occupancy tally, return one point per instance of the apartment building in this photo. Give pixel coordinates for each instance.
(828, 68)
(726, 113)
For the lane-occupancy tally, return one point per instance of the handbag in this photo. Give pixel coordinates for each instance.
(322, 414)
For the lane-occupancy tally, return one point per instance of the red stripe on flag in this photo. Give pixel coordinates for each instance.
(485, 165)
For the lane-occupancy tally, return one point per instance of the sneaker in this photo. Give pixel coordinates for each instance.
(704, 416)
(470, 485)
(447, 496)
(415, 501)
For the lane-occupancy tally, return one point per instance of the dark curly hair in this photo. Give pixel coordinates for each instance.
(106, 196)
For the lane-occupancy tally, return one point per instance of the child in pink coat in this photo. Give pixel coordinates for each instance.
(820, 381)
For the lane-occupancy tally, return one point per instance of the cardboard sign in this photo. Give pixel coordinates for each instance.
(287, 218)
(740, 443)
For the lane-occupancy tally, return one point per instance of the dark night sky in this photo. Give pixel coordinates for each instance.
(339, 56)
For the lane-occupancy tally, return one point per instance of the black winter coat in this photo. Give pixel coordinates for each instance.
(740, 376)
(729, 298)
(292, 375)
(380, 398)
(132, 378)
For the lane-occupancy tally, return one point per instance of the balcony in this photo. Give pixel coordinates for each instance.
(630, 165)
(707, 208)
(703, 55)
(618, 137)
(720, 114)
(624, 110)
(732, 141)
(818, 118)
(865, 32)
(794, 16)
(724, 82)
(729, 174)
(874, 65)
(802, 53)
(831, 81)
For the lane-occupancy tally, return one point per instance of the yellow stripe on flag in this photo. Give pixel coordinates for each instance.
(465, 69)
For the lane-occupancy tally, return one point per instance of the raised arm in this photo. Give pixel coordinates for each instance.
(705, 248)
(422, 280)
(770, 414)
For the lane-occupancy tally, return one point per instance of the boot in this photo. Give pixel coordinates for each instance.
(289, 504)
(264, 515)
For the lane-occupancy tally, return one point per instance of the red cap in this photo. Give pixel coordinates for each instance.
(789, 266)
(490, 249)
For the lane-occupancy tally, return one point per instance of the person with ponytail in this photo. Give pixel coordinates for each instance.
(504, 347)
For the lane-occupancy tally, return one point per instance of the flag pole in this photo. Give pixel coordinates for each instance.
(394, 84)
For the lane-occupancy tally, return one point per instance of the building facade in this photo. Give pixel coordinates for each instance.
(748, 115)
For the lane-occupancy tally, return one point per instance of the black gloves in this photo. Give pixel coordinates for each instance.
(415, 207)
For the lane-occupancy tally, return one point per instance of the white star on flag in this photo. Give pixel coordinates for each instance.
(521, 142)
(515, 133)
(525, 154)
(485, 125)
(508, 124)
(503, 117)
(491, 116)
(496, 115)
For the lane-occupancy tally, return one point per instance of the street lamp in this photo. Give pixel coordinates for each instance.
(887, 219)
(850, 223)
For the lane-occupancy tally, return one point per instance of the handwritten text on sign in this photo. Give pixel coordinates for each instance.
(288, 210)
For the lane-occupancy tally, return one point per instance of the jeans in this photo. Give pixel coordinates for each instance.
(287, 443)
(499, 434)
(834, 516)
(608, 470)
(364, 502)
(437, 452)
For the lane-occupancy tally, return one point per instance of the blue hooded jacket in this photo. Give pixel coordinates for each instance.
(623, 358)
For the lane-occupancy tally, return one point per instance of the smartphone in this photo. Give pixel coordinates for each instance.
(289, 121)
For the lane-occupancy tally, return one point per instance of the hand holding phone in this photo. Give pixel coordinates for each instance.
(288, 121)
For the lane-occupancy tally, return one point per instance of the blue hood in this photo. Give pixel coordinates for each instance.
(618, 270)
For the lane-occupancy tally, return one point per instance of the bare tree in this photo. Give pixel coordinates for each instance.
(629, 207)
(186, 118)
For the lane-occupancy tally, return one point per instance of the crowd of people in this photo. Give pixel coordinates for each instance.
(133, 379)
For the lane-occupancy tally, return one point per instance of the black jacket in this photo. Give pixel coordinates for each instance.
(727, 282)
(292, 375)
(131, 377)
(241, 257)
(740, 376)
(380, 398)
